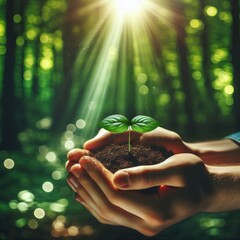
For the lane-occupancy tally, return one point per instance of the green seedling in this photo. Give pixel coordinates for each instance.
(118, 124)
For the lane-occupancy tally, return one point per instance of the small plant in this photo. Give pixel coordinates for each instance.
(118, 124)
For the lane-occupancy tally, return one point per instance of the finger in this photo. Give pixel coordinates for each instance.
(171, 172)
(105, 137)
(68, 165)
(133, 202)
(98, 204)
(93, 212)
(147, 227)
(158, 136)
(89, 188)
(75, 154)
(164, 138)
(84, 196)
(85, 199)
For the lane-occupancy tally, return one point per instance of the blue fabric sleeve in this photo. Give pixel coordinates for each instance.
(235, 137)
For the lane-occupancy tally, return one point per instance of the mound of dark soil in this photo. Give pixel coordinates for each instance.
(116, 157)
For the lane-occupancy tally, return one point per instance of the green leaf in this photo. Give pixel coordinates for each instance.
(143, 124)
(115, 123)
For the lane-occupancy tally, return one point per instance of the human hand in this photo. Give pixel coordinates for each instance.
(159, 137)
(186, 188)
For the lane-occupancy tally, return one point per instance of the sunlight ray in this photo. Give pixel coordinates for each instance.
(98, 81)
(116, 54)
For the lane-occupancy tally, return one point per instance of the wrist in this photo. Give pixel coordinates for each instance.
(225, 194)
(221, 152)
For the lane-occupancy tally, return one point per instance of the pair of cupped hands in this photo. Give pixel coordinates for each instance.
(185, 184)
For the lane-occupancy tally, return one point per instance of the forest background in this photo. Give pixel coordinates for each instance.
(64, 65)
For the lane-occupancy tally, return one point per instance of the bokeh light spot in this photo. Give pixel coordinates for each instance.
(33, 224)
(57, 207)
(28, 75)
(45, 38)
(31, 34)
(225, 16)
(87, 230)
(47, 187)
(229, 101)
(20, 41)
(144, 90)
(29, 61)
(17, 18)
(73, 231)
(3, 50)
(46, 64)
(9, 163)
(2, 29)
(58, 225)
(22, 206)
(13, 204)
(21, 222)
(196, 23)
(211, 11)
(142, 78)
(43, 149)
(63, 201)
(51, 157)
(229, 89)
(56, 175)
(71, 128)
(80, 123)
(44, 123)
(69, 144)
(39, 213)
(26, 196)
(68, 135)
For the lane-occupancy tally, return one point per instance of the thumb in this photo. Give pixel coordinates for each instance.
(171, 172)
(103, 138)
(139, 178)
(144, 177)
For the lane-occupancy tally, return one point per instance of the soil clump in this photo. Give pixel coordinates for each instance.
(116, 157)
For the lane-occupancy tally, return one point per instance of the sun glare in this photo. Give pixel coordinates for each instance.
(128, 7)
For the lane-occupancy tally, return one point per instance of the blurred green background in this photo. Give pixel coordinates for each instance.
(64, 65)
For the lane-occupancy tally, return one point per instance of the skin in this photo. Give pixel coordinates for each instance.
(189, 182)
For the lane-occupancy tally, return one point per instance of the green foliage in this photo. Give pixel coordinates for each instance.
(143, 124)
(118, 124)
(115, 123)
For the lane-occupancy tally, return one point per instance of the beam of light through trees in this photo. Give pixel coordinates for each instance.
(118, 50)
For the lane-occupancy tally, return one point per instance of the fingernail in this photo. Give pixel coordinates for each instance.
(73, 183)
(121, 180)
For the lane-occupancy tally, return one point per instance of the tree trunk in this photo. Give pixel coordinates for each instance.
(212, 111)
(37, 52)
(206, 54)
(70, 51)
(9, 119)
(185, 75)
(236, 60)
(172, 111)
